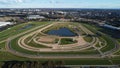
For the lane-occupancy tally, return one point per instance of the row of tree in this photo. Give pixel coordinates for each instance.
(33, 64)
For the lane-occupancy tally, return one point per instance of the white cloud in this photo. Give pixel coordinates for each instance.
(19, 1)
(10, 1)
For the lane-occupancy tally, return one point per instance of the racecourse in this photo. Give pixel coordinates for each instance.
(79, 46)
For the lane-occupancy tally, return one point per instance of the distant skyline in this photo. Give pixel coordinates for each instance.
(60, 4)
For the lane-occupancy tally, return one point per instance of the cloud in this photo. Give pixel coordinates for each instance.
(19, 1)
(10, 1)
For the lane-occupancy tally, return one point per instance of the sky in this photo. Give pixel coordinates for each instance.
(59, 3)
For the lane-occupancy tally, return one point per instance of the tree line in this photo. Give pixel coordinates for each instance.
(33, 64)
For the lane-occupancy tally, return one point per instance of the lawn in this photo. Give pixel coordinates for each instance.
(110, 43)
(88, 38)
(2, 46)
(15, 46)
(33, 44)
(65, 41)
(17, 29)
(71, 61)
(6, 56)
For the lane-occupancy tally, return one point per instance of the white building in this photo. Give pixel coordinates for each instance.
(111, 27)
(35, 17)
(5, 23)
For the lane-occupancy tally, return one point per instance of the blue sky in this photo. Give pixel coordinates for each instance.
(59, 3)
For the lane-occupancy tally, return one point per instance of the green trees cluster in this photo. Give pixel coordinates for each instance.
(33, 64)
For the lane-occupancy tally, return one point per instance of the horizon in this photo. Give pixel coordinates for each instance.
(60, 8)
(102, 4)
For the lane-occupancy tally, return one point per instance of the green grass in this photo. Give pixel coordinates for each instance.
(117, 53)
(88, 38)
(103, 42)
(64, 41)
(97, 45)
(5, 56)
(33, 44)
(117, 62)
(79, 28)
(15, 46)
(87, 62)
(118, 40)
(12, 31)
(16, 29)
(84, 52)
(110, 44)
(56, 40)
(2, 46)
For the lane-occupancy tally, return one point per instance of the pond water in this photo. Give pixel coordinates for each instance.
(27, 26)
(62, 32)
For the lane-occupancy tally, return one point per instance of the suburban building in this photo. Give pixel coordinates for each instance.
(35, 17)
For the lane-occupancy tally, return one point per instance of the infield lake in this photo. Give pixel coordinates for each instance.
(62, 32)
